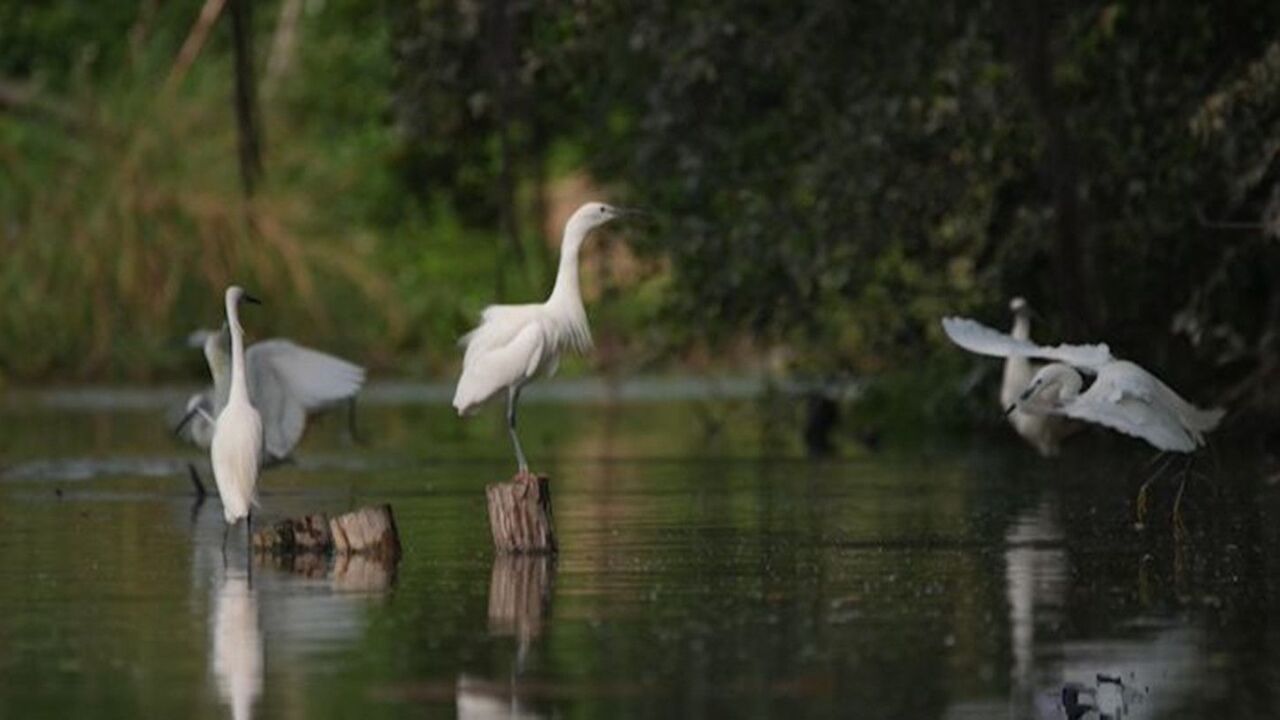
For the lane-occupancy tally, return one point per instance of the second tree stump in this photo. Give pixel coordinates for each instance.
(520, 515)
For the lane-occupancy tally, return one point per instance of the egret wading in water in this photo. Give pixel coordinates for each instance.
(1044, 432)
(235, 449)
(286, 383)
(513, 343)
(1123, 396)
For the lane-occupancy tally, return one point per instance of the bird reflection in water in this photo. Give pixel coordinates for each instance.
(236, 648)
(306, 603)
(1122, 678)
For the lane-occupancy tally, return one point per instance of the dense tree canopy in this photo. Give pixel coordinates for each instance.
(835, 175)
(829, 176)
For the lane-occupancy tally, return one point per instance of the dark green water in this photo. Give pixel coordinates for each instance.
(706, 570)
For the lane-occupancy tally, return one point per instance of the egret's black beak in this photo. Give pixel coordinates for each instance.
(177, 429)
(1009, 410)
(634, 213)
(250, 299)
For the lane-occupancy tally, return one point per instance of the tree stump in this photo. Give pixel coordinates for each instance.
(520, 515)
(368, 531)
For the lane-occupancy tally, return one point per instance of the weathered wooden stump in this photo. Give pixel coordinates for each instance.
(520, 595)
(368, 531)
(520, 515)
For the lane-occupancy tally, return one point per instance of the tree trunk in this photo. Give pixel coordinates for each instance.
(246, 96)
(1030, 31)
(503, 58)
(282, 45)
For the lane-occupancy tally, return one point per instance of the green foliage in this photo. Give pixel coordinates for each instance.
(829, 177)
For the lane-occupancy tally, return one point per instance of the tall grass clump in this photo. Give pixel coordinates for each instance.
(123, 221)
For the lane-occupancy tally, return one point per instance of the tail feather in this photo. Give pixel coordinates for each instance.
(1204, 420)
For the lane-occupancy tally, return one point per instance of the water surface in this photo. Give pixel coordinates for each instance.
(707, 569)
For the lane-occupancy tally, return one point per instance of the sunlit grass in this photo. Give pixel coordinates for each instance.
(120, 234)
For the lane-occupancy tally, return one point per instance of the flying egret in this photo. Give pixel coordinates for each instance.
(513, 343)
(286, 382)
(236, 447)
(1123, 397)
(1044, 432)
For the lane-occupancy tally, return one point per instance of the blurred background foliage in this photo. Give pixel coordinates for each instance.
(829, 177)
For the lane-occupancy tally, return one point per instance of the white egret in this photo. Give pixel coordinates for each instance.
(513, 343)
(1123, 397)
(236, 448)
(286, 382)
(1044, 432)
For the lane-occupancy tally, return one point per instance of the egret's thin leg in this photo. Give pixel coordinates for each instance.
(226, 530)
(513, 396)
(1179, 527)
(196, 483)
(1167, 459)
(351, 422)
(248, 545)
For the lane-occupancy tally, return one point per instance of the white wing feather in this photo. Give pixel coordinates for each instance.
(978, 338)
(313, 378)
(1129, 399)
(287, 380)
(491, 365)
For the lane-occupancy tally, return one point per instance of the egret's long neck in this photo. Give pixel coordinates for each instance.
(239, 388)
(1017, 369)
(567, 288)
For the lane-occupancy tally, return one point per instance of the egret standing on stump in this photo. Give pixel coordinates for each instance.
(1044, 432)
(513, 343)
(236, 448)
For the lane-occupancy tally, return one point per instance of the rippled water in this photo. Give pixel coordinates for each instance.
(706, 569)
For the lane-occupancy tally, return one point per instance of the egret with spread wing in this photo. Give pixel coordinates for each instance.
(1123, 396)
(286, 382)
(513, 343)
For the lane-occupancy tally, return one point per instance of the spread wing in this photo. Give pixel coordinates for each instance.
(490, 365)
(1198, 419)
(1128, 399)
(978, 338)
(287, 380)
